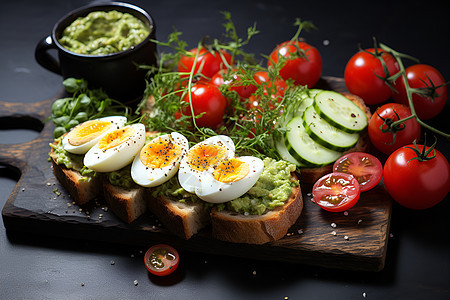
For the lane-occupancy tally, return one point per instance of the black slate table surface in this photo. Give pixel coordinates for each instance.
(417, 263)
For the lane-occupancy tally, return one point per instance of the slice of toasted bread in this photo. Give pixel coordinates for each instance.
(127, 204)
(182, 219)
(81, 190)
(253, 229)
(310, 175)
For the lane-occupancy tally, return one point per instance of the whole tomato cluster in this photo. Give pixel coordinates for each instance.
(416, 176)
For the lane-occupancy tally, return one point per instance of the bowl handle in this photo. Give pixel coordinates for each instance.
(44, 58)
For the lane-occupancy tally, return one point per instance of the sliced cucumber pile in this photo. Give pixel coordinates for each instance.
(304, 149)
(326, 134)
(324, 125)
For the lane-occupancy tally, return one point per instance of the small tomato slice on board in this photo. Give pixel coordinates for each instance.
(366, 168)
(161, 260)
(336, 192)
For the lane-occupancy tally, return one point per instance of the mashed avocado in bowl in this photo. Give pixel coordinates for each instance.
(102, 33)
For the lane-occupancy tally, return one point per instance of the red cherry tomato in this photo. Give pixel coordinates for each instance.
(336, 192)
(261, 76)
(304, 69)
(276, 92)
(383, 141)
(426, 106)
(416, 184)
(206, 98)
(161, 260)
(243, 91)
(207, 64)
(361, 72)
(366, 168)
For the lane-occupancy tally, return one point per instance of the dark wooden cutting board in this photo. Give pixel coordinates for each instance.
(354, 240)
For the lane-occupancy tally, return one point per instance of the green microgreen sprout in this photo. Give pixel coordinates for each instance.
(83, 104)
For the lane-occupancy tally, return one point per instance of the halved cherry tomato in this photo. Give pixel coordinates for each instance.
(366, 168)
(161, 260)
(336, 192)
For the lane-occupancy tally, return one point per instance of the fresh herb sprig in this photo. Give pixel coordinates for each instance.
(83, 104)
(253, 131)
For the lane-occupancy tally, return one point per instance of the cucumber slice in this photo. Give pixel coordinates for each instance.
(325, 134)
(304, 149)
(284, 153)
(308, 100)
(340, 112)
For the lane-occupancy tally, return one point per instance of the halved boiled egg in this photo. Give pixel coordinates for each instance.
(85, 135)
(201, 157)
(116, 149)
(159, 160)
(230, 179)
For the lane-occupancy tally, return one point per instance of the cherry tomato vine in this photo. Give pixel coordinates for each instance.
(409, 91)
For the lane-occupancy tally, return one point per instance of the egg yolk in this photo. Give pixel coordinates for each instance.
(203, 156)
(231, 170)
(115, 138)
(87, 131)
(160, 153)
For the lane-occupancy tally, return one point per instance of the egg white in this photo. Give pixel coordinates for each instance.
(214, 191)
(115, 158)
(117, 121)
(189, 178)
(150, 177)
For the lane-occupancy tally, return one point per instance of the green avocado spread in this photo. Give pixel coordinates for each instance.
(272, 189)
(122, 178)
(69, 160)
(101, 33)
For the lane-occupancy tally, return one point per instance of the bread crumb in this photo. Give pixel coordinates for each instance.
(135, 283)
(333, 225)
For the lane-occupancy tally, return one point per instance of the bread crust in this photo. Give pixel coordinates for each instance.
(182, 219)
(81, 191)
(311, 175)
(271, 226)
(127, 204)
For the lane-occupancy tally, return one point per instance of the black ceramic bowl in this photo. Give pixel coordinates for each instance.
(117, 74)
